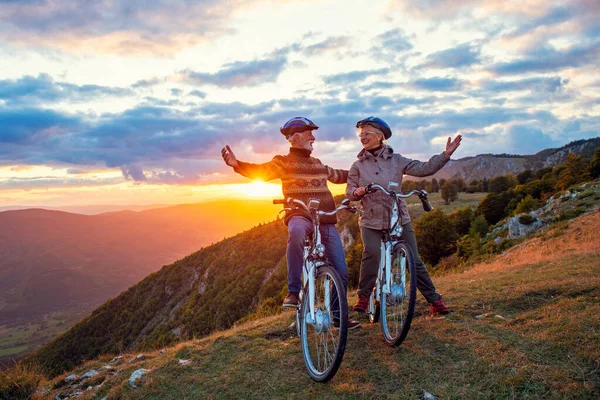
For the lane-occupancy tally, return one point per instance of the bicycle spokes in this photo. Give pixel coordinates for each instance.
(323, 343)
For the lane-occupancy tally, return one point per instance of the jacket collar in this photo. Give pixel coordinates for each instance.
(385, 152)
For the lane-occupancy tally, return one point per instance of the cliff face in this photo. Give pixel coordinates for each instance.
(491, 165)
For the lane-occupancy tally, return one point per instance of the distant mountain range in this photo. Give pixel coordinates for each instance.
(56, 261)
(492, 165)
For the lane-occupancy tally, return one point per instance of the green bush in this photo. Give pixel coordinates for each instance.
(479, 227)
(436, 236)
(526, 205)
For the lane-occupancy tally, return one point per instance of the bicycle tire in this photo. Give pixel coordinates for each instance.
(374, 310)
(397, 308)
(323, 345)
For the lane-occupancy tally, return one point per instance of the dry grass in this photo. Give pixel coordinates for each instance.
(524, 325)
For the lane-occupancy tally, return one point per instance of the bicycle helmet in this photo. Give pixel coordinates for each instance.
(376, 123)
(297, 124)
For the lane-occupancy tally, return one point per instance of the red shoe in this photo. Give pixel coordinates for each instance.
(362, 305)
(438, 307)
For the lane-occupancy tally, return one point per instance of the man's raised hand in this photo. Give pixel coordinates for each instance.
(229, 157)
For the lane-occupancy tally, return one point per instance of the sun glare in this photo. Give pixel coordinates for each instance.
(258, 189)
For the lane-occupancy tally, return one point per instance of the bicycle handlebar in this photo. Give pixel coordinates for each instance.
(289, 201)
(373, 187)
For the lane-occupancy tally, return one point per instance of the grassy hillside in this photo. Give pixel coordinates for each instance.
(524, 325)
(56, 267)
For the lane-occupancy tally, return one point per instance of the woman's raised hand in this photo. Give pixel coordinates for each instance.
(452, 145)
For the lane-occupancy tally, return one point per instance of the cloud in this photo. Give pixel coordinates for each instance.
(127, 27)
(437, 84)
(331, 44)
(43, 88)
(526, 139)
(353, 77)
(538, 84)
(461, 56)
(23, 126)
(549, 59)
(239, 73)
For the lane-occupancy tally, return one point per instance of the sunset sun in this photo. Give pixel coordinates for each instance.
(259, 189)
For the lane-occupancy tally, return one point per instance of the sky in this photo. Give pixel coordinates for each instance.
(130, 102)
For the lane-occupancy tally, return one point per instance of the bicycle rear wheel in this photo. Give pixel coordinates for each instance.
(397, 307)
(323, 344)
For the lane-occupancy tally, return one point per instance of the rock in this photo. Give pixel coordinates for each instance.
(137, 375)
(428, 396)
(517, 230)
(138, 358)
(89, 374)
(71, 378)
(117, 358)
(498, 240)
(163, 351)
(106, 367)
(185, 362)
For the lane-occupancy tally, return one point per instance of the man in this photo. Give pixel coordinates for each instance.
(302, 177)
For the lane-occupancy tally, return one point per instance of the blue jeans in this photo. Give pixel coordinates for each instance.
(298, 229)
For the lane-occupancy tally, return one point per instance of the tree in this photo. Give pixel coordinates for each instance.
(594, 167)
(462, 220)
(493, 206)
(501, 184)
(574, 171)
(436, 236)
(435, 186)
(479, 227)
(525, 176)
(485, 185)
(460, 184)
(449, 192)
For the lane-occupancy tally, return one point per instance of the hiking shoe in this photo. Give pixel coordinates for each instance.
(438, 307)
(362, 305)
(352, 324)
(292, 300)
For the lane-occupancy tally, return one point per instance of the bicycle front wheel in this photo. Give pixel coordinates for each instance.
(398, 306)
(323, 339)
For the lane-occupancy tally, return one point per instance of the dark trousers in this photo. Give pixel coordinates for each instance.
(372, 254)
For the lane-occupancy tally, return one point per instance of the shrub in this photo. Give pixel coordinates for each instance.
(436, 236)
(19, 382)
(462, 220)
(479, 227)
(526, 205)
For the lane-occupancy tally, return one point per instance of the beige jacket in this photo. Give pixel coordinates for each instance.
(384, 167)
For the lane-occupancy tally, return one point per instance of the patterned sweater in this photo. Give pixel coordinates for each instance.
(302, 177)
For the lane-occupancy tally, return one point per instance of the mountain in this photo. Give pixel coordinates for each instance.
(56, 262)
(492, 165)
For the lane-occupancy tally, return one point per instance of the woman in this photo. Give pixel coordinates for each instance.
(378, 163)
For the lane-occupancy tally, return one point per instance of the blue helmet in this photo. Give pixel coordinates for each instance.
(297, 124)
(376, 123)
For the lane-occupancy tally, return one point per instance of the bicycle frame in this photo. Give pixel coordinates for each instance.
(314, 255)
(389, 239)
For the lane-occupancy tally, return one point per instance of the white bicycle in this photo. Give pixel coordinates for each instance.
(322, 316)
(393, 297)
